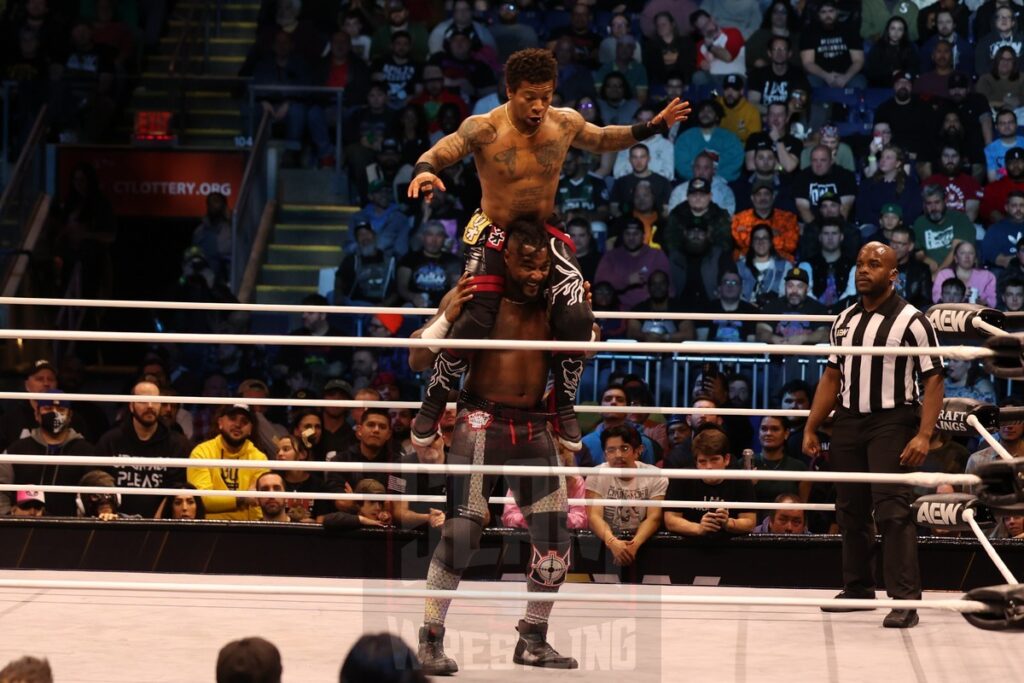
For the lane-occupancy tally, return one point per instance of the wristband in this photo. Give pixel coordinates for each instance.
(643, 131)
(423, 167)
(438, 329)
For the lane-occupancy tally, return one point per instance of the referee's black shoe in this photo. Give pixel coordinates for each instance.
(901, 618)
(851, 596)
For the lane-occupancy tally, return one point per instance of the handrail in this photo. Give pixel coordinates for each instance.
(256, 158)
(186, 34)
(259, 246)
(20, 263)
(259, 141)
(24, 157)
(298, 88)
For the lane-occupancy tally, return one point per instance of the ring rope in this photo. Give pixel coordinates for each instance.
(566, 595)
(721, 348)
(366, 310)
(989, 550)
(921, 479)
(398, 497)
(999, 448)
(410, 405)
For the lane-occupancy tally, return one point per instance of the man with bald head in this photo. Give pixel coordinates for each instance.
(883, 424)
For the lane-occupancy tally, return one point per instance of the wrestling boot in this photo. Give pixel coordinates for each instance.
(533, 648)
(901, 618)
(431, 652)
(566, 373)
(448, 369)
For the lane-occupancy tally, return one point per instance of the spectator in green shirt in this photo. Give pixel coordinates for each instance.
(939, 230)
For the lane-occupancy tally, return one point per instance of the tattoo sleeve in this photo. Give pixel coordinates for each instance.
(604, 139)
(474, 132)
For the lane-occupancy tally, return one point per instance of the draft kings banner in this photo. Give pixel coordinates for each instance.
(156, 182)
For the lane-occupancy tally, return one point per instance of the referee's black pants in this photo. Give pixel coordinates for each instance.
(873, 442)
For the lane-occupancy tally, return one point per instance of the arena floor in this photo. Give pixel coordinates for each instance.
(135, 636)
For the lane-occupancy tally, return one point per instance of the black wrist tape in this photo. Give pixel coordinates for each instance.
(423, 167)
(643, 131)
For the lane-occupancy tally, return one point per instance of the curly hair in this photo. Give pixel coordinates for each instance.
(532, 65)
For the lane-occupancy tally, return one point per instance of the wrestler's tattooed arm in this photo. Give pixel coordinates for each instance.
(474, 133)
(596, 139)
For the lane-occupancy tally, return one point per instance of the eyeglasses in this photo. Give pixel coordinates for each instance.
(730, 281)
(587, 105)
(612, 450)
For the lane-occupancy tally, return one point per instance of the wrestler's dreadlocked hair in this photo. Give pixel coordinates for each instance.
(527, 233)
(532, 65)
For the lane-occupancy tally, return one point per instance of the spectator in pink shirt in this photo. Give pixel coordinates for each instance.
(575, 487)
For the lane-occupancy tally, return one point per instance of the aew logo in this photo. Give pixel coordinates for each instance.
(945, 320)
(952, 421)
(940, 514)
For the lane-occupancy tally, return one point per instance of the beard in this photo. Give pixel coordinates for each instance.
(902, 94)
(231, 441)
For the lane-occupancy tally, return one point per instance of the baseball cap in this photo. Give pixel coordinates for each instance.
(893, 208)
(1015, 153)
(958, 79)
(902, 76)
(41, 364)
(698, 185)
(253, 383)
(377, 185)
(390, 145)
(362, 225)
(56, 400)
(392, 321)
(762, 141)
(797, 273)
(829, 197)
(734, 81)
(633, 223)
(762, 185)
(236, 408)
(31, 497)
(338, 385)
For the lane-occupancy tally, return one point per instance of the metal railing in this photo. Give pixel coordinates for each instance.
(26, 183)
(337, 94)
(252, 198)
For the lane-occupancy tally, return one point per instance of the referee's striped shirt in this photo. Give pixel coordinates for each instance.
(873, 383)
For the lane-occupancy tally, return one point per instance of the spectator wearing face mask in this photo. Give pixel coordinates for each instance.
(53, 436)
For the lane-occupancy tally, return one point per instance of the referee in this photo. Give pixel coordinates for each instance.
(883, 423)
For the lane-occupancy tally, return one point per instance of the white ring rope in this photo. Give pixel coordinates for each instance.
(921, 479)
(999, 448)
(721, 348)
(373, 310)
(409, 405)
(398, 497)
(568, 594)
(989, 550)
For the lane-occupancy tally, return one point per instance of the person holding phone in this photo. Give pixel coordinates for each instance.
(710, 452)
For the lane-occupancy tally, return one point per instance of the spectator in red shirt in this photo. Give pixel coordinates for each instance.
(720, 51)
(963, 192)
(434, 95)
(344, 69)
(993, 204)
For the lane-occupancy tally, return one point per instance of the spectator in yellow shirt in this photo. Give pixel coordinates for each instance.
(235, 425)
(742, 117)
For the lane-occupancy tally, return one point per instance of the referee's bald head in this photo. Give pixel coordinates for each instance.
(877, 269)
(884, 252)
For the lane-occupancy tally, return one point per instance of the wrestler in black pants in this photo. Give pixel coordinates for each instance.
(570, 315)
(873, 442)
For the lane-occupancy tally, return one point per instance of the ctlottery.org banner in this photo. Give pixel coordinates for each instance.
(153, 182)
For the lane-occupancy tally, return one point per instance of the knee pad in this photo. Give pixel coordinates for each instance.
(550, 548)
(548, 567)
(460, 539)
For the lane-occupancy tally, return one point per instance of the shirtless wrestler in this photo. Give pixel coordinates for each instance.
(518, 149)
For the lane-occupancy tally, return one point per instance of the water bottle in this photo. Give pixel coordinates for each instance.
(748, 459)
